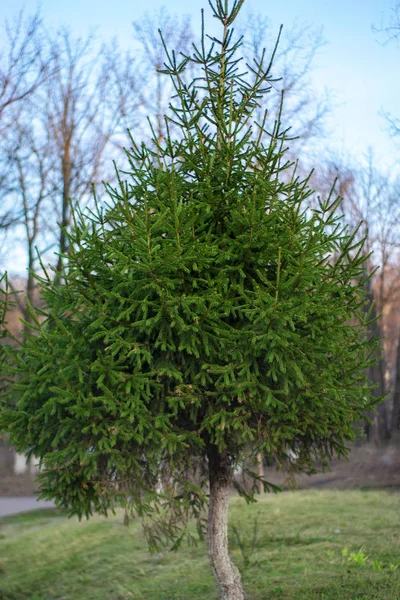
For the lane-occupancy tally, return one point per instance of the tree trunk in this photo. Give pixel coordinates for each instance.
(30, 285)
(379, 430)
(227, 575)
(395, 425)
(66, 192)
(260, 469)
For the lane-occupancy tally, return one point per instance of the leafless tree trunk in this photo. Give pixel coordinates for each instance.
(226, 574)
(395, 425)
(379, 430)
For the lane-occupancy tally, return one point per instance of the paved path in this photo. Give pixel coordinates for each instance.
(10, 506)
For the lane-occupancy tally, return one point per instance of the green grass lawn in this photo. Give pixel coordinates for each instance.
(295, 545)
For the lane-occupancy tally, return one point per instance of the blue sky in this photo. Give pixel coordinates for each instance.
(362, 74)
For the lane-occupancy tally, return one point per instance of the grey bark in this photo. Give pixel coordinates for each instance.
(226, 574)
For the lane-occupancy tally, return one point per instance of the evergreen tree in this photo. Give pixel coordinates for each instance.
(206, 314)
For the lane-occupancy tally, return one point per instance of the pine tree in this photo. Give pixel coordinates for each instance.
(206, 314)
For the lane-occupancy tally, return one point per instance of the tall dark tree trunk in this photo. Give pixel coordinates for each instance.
(65, 209)
(30, 284)
(395, 425)
(225, 572)
(379, 429)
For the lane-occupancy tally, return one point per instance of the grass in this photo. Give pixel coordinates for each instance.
(310, 545)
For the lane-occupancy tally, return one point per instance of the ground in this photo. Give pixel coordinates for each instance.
(302, 545)
(369, 467)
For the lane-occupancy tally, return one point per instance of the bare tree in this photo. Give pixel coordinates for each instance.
(23, 69)
(390, 32)
(30, 163)
(372, 197)
(82, 106)
(375, 201)
(64, 134)
(386, 33)
(294, 61)
(177, 34)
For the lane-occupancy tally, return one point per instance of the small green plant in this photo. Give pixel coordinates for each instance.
(358, 558)
(377, 565)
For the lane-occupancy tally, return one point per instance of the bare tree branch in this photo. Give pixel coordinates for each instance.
(177, 34)
(23, 67)
(299, 46)
(387, 32)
